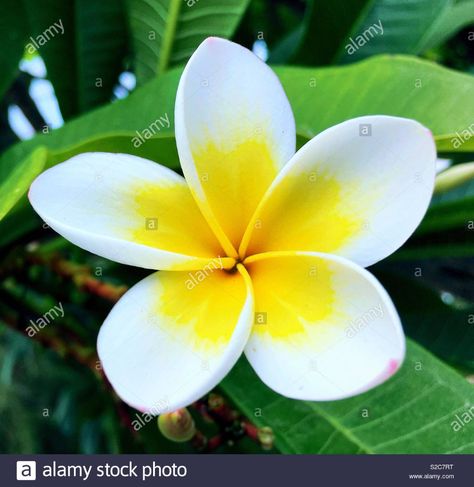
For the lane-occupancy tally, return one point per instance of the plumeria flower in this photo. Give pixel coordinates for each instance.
(260, 249)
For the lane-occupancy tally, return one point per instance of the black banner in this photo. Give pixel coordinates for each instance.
(238, 470)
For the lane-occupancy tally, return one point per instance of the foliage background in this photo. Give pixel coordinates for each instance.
(53, 397)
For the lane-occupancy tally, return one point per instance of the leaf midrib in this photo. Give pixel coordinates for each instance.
(342, 429)
(169, 35)
(432, 28)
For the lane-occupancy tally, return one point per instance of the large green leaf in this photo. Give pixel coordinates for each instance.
(166, 32)
(445, 329)
(450, 182)
(85, 51)
(414, 412)
(447, 229)
(341, 31)
(319, 97)
(16, 182)
(453, 202)
(325, 27)
(410, 26)
(443, 244)
(110, 129)
(19, 222)
(441, 99)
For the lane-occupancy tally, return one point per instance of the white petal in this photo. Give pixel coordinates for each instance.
(172, 337)
(330, 330)
(126, 209)
(234, 131)
(358, 190)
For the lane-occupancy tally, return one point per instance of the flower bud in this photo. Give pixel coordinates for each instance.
(215, 401)
(265, 437)
(177, 426)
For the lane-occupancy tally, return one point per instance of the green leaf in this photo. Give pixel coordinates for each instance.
(410, 26)
(341, 31)
(414, 412)
(462, 141)
(18, 222)
(272, 20)
(445, 329)
(447, 230)
(404, 86)
(452, 243)
(166, 32)
(453, 202)
(18, 178)
(386, 81)
(161, 148)
(14, 29)
(452, 179)
(319, 97)
(281, 53)
(113, 128)
(85, 51)
(325, 28)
